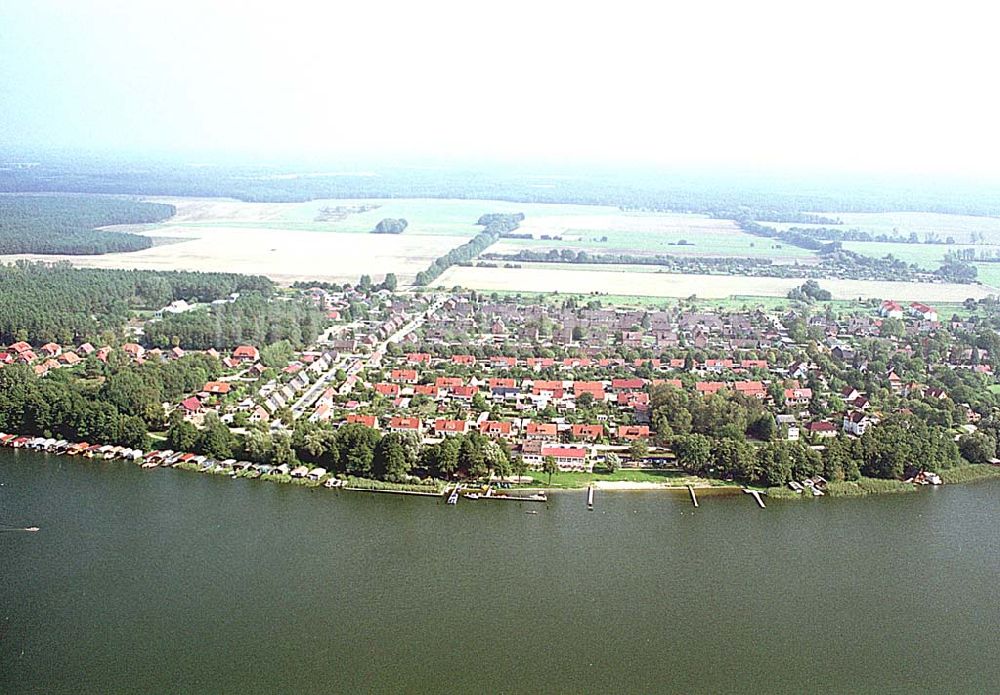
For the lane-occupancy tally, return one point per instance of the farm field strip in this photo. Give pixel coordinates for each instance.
(589, 279)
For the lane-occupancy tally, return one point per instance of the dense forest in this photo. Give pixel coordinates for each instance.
(41, 302)
(116, 404)
(253, 319)
(67, 224)
(768, 196)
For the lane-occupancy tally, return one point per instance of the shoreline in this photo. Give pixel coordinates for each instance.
(861, 488)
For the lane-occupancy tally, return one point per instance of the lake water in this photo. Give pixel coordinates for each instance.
(171, 582)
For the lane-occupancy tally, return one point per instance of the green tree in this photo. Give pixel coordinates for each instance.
(550, 466)
(612, 461)
(693, 451)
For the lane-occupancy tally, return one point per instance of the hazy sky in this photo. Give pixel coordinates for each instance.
(870, 86)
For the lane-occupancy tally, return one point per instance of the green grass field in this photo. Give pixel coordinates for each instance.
(570, 480)
(989, 274)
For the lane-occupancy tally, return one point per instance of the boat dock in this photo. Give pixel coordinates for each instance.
(694, 497)
(590, 498)
(453, 495)
(756, 496)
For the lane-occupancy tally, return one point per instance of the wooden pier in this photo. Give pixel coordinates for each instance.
(590, 498)
(694, 497)
(756, 496)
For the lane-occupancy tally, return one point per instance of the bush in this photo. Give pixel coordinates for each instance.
(965, 474)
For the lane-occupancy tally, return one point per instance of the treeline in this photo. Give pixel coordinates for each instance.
(65, 224)
(351, 449)
(252, 319)
(42, 302)
(772, 215)
(496, 224)
(855, 234)
(631, 188)
(834, 263)
(860, 266)
(714, 436)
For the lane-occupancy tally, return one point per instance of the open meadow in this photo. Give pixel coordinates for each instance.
(590, 279)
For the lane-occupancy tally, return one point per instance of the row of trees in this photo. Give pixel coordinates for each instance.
(496, 224)
(899, 446)
(68, 224)
(41, 302)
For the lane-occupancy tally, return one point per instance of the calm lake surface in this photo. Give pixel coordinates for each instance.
(171, 582)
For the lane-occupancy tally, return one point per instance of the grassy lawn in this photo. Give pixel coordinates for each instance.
(572, 480)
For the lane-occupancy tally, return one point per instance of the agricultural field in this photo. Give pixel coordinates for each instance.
(926, 256)
(583, 279)
(903, 223)
(641, 234)
(282, 254)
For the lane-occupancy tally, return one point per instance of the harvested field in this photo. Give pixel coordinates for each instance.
(587, 279)
(285, 256)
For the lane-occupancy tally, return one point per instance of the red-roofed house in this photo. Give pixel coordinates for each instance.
(134, 350)
(633, 384)
(588, 433)
(70, 359)
(425, 390)
(465, 393)
(568, 458)
(450, 427)
(405, 424)
(51, 350)
(495, 383)
(632, 432)
(366, 420)
(798, 397)
(419, 358)
(192, 406)
(540, 431)
(448, 382)
(594, 388)
(246, 353)
(467, 360)
(707, 388)
(890, 309)
(495, 428)
(386, 389)
(405, 376)
(821, 429)
(923, 311)
(219, 388)
(752, 389)
(20, 347)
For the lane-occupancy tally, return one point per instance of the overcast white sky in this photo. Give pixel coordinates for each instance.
(867, 86)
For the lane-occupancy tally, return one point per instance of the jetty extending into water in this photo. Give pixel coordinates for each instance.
(756, 496)
(694, 497)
